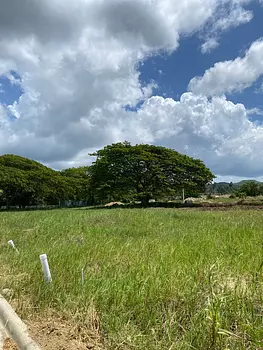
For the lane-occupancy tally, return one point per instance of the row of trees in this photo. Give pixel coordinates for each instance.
(221, 188)
(24, 182)
(243, 188)
(249, 189)
(121, 172)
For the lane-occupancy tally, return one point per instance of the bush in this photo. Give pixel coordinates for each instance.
(241, 194)
(251, 188)
(209, 196)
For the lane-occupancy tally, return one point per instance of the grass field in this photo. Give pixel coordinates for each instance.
(154, 279)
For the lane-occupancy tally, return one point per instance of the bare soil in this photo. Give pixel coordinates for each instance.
(228, 207)
(9, 345)
(57, 333)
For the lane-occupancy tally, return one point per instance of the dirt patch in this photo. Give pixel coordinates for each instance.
(9, 345)
(114, 204)
(224, 207)
(213, 207)
(59, 334)
(239, 284)
(56, 333)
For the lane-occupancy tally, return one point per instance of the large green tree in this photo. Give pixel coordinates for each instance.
(124, 172)
(25, 182)
(80, 180)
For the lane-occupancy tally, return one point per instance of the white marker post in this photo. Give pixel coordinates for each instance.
(12, 244)
(82, 276)
(45, 268)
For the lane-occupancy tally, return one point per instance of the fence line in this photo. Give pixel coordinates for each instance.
(13, 327)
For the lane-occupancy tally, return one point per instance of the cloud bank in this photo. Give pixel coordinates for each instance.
(78, 64)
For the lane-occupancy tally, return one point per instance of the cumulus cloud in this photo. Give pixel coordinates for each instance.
(215, 130)
(78, 61)
(229, 76)
(78, 58)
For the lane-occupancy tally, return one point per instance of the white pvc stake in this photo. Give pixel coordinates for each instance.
(82, 276)
(12, 244)
(45, 268)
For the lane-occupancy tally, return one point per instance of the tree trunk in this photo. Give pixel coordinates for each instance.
(145, 201)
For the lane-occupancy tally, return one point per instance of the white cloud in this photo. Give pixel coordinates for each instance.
(12, 78)
(229, 76)
(229, 14)
(216, 130)
(78, 65)
(2, 113)
(254, 111)
(209, 45)
(77, 58)
(237, 16)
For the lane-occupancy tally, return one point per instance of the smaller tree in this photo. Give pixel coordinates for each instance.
(250, 189)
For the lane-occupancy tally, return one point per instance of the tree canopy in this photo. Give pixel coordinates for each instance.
(25, 182)
(142, 172)
(250, 188)
(121, 172)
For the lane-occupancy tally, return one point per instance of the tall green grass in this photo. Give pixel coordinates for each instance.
(154, 279)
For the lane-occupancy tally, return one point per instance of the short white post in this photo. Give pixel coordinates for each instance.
(82, 276)
(183, 195)
(12, 244)
(45, 268)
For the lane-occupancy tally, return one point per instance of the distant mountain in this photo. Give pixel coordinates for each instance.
(244, 181)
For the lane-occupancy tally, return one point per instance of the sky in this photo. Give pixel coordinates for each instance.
(78, 75)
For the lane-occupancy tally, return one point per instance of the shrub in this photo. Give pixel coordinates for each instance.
(209, 196)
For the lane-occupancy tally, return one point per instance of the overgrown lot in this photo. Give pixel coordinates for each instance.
(154, 278)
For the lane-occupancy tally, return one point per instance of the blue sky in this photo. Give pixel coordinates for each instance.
(173, 72)
(9, 91)
(188, 75)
